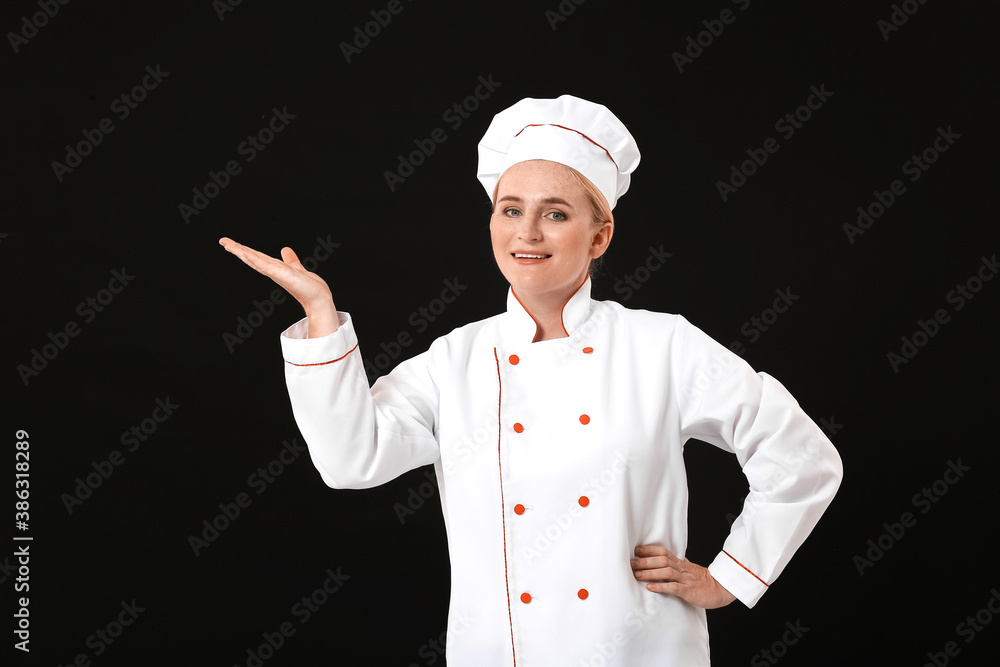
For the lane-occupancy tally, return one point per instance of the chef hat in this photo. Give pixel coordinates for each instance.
(567, 130)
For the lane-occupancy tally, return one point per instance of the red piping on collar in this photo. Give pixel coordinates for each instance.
(561, 321)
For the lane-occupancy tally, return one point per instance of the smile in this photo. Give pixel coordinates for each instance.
(518, 255)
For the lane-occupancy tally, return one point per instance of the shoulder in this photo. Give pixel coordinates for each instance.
(640, 321)
(648, 330)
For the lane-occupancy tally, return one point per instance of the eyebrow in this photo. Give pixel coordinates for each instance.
(548, 200)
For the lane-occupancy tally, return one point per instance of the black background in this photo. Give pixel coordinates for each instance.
(323, 176)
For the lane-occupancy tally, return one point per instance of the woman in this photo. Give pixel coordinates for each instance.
(556, 429)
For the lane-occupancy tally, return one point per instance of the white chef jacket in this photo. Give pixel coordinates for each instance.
(555, 459)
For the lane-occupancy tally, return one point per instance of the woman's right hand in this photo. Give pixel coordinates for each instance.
(307, 288)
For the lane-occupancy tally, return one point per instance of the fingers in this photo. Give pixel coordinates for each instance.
(656, 563)
(265, 264)
(664, 572)
(657, 570)
(663, 575)
(660, 574)
(650, 563)
(289, 257)
(670, 587)
(654, 550)
(652, 556)
(307, 288)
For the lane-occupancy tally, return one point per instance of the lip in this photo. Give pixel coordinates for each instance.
(526, 260)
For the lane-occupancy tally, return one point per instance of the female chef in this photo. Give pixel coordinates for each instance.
(556, 429)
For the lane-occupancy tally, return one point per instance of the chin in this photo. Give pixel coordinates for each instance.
(535, 284)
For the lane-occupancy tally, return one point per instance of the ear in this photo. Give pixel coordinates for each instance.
(601, 240)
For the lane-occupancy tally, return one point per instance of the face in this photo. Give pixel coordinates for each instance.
(543, 212)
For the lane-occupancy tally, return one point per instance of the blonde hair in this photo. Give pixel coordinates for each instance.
(598, 205)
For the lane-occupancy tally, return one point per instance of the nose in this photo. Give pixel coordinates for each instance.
(529, 228)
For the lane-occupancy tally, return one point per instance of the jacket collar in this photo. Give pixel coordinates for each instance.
(519, 325)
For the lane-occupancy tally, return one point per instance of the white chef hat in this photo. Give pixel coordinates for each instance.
(567, 130)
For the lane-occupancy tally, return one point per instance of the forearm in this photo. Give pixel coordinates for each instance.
(794, 471)
(323, 318)
(355, 439)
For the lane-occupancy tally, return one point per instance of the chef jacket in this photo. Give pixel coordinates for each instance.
(555, 459)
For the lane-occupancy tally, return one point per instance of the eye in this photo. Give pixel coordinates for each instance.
(558, 216)
(511, 212)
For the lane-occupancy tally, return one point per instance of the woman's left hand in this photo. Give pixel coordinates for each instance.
(666, 573)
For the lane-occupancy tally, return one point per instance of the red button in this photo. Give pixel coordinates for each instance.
(518, 428)
(519, 509)
(525, 598)
(582, 593)
(588, 350)
(584, 501)
(514, 359)
(584, 419)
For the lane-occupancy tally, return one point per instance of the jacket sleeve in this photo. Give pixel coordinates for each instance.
(792, 468)
(358, 437)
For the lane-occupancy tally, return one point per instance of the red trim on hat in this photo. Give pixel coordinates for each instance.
(571, 130)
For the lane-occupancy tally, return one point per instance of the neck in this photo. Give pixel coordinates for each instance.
(546, 309)
(547, 314)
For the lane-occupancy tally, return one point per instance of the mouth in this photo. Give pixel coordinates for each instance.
(523, 255)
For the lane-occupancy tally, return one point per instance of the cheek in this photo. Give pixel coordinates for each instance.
(577, 242)
(495, 235)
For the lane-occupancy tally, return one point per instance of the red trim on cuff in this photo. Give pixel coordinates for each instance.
(324, 363)
(746, 568)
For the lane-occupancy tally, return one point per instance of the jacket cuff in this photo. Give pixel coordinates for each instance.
(737, 579)
(300, 350)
